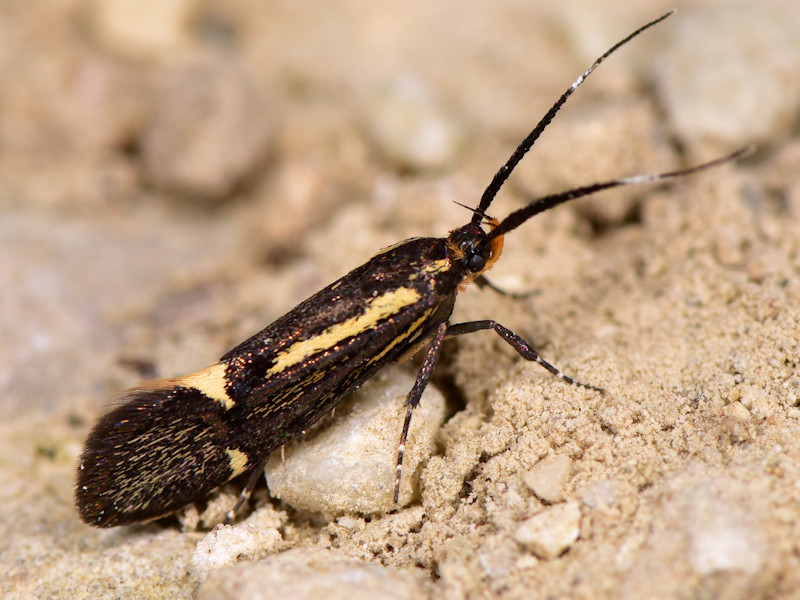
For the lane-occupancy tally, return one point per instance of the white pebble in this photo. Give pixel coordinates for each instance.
(737, 411)
(549, 476)
(600, 493)
(411, 127)
(349, 467)
(210, 130)
(549, 533)
(720, 539)
(225, 545)
(143, 28)
(729, 73)
(301, 573)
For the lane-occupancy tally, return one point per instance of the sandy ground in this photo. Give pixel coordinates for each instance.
(174, 175)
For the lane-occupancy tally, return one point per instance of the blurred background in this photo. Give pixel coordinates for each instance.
(176, 174)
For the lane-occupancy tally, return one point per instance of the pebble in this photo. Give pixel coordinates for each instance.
(729, 71)
(349, 467)
(226, 545)
(411, 127)
(209, 131)
(737, 411)
(549, 476)
(600, 493)
(142, 29)
(720, 538)
(304, 574)
(552, 531)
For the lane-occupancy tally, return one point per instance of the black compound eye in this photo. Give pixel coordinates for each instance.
(476, 263)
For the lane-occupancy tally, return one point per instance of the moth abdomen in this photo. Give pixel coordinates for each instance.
(164, 447)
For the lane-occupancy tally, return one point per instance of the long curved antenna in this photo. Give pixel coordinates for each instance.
(518, 217)
(502, 175)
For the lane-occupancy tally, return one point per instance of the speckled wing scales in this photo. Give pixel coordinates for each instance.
(172, 441)
(160, 450)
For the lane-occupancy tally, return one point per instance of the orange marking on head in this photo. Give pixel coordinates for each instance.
(497, 245)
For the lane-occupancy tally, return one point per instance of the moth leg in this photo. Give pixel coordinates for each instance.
(257, 471)
(414, 396)
(481, 281)
(520, 345)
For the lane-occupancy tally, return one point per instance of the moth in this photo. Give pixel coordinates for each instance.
(172, 441)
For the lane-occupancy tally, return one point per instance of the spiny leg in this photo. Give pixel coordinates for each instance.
(520, 345)
(257, 471)
(414, 396)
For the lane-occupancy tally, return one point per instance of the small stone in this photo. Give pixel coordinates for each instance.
(349, 467)
(349, 522)
(720, 538)
(210, 130)
(411, 127)
(312, 574)
(757, 401)
(739, 85)
(549, 476)
(99, 105)
(497, 556)
(552, 531)
(226, 545)
(143, 28)
(600, 493)
(215, 511)
(737, 411)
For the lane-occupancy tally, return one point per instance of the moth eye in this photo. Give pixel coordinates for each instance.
(476, 263)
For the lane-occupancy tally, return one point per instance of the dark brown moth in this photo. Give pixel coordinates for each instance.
(172, 441)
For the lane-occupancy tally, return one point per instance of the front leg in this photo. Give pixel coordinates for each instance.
(525, 350)
(414, 396)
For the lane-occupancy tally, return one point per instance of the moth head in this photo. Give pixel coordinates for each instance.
(471, 246)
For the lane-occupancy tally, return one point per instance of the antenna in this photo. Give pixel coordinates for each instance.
(518, 217)
(502, 175)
